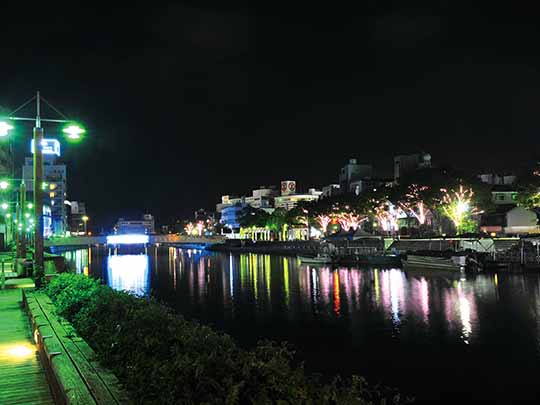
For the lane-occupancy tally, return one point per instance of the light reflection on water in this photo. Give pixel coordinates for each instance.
(129, 273)
(393, 323)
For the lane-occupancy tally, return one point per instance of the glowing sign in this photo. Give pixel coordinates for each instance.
(48, 147)
(127, 239)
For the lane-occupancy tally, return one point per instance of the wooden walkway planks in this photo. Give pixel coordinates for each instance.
(22, 378)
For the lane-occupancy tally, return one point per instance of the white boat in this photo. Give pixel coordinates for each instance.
(321, 258)
(452, 263)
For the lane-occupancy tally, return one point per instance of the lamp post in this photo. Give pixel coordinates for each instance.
(85, 220)
(73, 132)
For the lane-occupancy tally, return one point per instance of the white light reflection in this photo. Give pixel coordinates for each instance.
(129, 273)
(464, 314)
(231, 275)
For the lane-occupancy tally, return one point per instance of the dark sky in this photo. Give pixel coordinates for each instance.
(189, 101)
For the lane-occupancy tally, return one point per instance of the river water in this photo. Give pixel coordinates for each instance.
(436, 337)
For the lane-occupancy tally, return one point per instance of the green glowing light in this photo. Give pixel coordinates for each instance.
(4, 185)
(5, 128)
(27, 215)
(4, 206)
(8, 215)
(73, 132)
(30, 206)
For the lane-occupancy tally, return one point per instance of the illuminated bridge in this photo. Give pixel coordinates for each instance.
(152, 239)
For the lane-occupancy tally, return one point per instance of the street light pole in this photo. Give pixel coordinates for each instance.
(38, 198)
(22, 240)
(73, 133)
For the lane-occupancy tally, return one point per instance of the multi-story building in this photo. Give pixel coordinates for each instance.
(228, 201)
(363, 185)
(145, 225)
(263, 197)
(331, 190)
(77, 211)
(407, 164)
(353, 171)
(497, 179)
(290, 199)
(55, 188)
(6, 159)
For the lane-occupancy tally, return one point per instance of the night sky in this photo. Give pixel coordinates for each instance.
(184, 103)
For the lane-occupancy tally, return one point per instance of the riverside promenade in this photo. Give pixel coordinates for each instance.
(22, 376)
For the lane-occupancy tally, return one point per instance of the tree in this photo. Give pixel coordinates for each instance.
(458, 205)
(277, 221)
(250, 216)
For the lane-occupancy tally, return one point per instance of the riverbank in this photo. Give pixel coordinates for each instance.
(291, 248)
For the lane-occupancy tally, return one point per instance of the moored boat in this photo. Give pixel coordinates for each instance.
(321, 258)
(420, 261)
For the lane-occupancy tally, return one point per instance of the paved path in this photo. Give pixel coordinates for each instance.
(22, 377)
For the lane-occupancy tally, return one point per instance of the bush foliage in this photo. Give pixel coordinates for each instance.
(163, 358)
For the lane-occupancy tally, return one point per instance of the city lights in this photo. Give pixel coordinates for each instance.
(5, 128)
(456, 205)
(4, 184)
(323, 221)
(5, 206)
(73, 132)
(127, 239)
(350, 221)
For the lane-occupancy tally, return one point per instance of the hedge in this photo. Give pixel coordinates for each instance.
(162, 358)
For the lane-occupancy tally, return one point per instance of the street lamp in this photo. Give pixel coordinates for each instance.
(73, 132)
(5, 128)
(85, 220)
(4, 185)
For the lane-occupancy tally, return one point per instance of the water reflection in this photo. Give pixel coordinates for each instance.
(129, 273)
(393, 323)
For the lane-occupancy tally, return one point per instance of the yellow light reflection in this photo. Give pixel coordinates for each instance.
(496, 279)
(286, 280)
(337, 301)
(17, 352)
(376, 282)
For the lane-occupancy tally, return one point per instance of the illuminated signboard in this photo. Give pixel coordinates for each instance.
(48, 147)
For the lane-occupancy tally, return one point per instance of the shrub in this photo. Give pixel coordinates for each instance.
(162, 358)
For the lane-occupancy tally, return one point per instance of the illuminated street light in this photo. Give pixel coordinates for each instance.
(30, 206)
(5, 128)
(73, 131)
(4, 206)
(4, 185)
(85, 220)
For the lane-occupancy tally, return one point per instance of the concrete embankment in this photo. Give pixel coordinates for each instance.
(282, 248)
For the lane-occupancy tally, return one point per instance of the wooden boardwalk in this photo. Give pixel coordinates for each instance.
(22, 377)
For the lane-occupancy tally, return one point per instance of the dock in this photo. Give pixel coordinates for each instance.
(22, 376)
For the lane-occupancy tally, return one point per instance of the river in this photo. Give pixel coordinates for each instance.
(436, 337)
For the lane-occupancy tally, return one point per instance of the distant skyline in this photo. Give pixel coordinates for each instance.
(186, 102)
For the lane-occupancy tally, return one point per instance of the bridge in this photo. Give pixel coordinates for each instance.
(172, 239)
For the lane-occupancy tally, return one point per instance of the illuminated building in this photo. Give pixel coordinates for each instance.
(136, 226)
(77, 210)
(263, 197)
(330, 190)
(55, 184)
(353, 171)
(289, 201)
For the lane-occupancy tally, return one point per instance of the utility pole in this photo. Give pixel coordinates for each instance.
(38, 197)
(22, 204)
